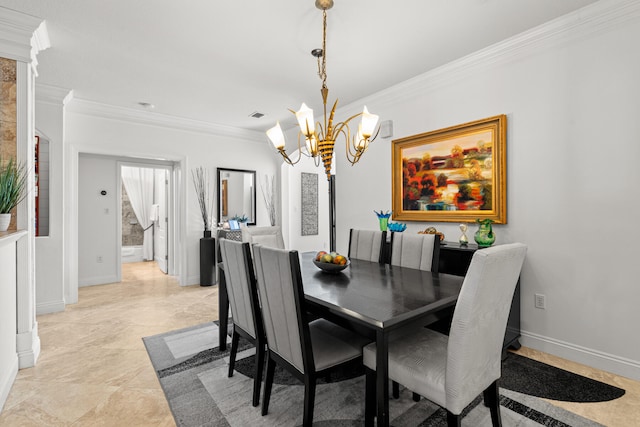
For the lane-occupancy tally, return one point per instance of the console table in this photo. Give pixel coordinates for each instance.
(455, 259)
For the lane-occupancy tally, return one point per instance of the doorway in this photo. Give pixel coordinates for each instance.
(144, 214)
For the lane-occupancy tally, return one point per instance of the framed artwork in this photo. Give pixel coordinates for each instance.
(309, 202)
(457, 174)
(224, 198)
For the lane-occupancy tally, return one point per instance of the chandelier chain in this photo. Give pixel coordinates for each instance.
(322, 60)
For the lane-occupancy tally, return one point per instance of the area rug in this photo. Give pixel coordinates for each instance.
(193, 375)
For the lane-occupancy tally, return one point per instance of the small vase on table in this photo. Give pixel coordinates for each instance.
(485, 236)
(383, 219)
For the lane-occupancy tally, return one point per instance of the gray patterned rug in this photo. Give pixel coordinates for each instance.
(193, 374)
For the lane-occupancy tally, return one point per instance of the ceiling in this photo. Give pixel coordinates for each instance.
(220, 61)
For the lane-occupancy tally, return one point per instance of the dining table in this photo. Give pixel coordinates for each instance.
(376, 300)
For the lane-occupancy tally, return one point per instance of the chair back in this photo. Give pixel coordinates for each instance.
(241, 286)
(479, 323)
(367, 245)
(282, 298)
(265, 236)
(419, 251)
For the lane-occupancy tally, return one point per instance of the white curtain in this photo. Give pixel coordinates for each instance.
(139, 185)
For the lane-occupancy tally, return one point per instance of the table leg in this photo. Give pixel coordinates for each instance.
(382, 378)
(223, 310)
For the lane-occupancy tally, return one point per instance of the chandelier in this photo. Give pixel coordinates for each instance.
(320, 138)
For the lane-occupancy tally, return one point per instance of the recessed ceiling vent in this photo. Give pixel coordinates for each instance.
(256, 115)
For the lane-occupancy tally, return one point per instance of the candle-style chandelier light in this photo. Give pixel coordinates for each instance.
(320, 138)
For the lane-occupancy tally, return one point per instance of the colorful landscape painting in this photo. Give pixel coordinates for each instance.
(457, 172)
(454, 174)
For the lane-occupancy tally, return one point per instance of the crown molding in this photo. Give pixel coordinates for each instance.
(52, 94)
(22, 36)
(598, 17)
(148, 118)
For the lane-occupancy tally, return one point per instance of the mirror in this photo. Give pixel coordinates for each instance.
(236, 195)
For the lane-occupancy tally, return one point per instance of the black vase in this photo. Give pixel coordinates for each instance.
(207, 261)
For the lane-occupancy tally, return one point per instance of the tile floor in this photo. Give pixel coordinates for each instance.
(94, 370)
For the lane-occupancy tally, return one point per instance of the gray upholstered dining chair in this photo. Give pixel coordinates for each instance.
(419, 251)
(451, 371)
(266, 236)
(367, 245)
(306, 349)
(245, 307)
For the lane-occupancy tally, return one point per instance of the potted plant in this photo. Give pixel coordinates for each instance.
(201, 184)
(13, 189)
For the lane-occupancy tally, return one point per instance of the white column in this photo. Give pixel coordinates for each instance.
(21, 38)
(28, 342)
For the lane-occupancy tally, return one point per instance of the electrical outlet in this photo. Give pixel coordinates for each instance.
(540, 301)
(99, 258)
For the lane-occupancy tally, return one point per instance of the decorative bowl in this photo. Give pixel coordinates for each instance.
(397, 226)
(331, 268)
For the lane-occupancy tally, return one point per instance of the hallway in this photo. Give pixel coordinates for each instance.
(93, 368)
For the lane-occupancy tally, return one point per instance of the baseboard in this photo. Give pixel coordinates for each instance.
(596, 359)
(50, 307)
(192, 280)
(28, 347)
(101, 280)
(6, 382)
(195, 280)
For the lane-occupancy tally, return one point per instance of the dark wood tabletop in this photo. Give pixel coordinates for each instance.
(378, 295)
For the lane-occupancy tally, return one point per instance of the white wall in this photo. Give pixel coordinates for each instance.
(132, 137)
(8, 352)
(50, 253)
(571, 96)
(98, 240)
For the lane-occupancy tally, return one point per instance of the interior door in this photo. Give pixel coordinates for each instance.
(161, 198)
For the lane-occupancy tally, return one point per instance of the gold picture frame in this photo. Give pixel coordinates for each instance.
(457, 174)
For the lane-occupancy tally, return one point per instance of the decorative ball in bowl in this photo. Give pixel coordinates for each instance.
(330, 262)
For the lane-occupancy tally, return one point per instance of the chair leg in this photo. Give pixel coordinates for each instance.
(370, 397)
(234, 349)
(492, 400)
(454, 420)
(257, 378)
(268, 383)
(309, 400)
(395, 389)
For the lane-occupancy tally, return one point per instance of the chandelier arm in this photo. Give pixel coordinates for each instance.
(301, 152)
(320, 133)
(340, 129)
(375, 135)
(339, 126)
